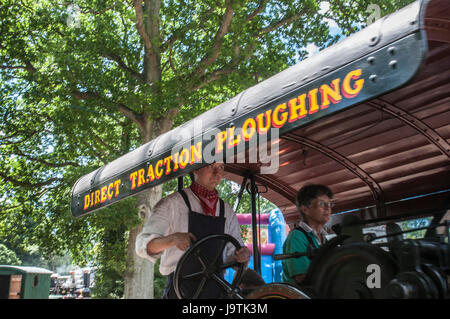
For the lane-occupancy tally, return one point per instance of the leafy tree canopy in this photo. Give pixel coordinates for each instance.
(84, 82)
(8, 257)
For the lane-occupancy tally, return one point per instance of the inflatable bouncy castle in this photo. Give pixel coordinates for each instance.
(272, 234)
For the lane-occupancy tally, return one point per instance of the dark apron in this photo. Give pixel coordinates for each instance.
(201, 226)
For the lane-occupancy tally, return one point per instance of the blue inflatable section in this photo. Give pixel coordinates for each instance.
(277, 235)
(271, 270)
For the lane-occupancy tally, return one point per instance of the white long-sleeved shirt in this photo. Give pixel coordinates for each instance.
(171, 215)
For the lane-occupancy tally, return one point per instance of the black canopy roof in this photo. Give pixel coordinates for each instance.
(382, 137)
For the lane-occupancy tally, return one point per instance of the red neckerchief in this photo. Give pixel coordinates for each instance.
(208, 199)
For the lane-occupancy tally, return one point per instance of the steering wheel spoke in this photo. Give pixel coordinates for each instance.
(200, 288)
(220, 251)
(193, 275)
(230, 290)
(201, 258)
(210, 270)
(230, 264)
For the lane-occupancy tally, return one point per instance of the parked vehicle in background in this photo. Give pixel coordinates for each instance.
(76, 285)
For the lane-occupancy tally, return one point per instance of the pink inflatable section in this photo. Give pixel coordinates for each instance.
(263, 219)
(246, 219)
(266, 249)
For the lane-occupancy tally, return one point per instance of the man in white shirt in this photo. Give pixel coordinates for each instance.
(186, 216)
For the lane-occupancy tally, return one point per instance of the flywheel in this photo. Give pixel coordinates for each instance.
(354, 271)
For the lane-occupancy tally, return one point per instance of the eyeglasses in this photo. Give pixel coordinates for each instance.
(218, 167)
(325, 204)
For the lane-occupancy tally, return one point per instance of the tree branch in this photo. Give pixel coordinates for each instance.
(124, 67)
(192, 27)
(221, 73)
(122, 108)
(170, 59)
(5, 208)
(140, 24)
(96, 154)
(221, 32)
(27, 135)
(129, 113)
(84, 95)
(10, 67)
(148, 27)
(216, 75)
(101, 142)
(17, 151)
(28, 184)
(258, 10)
(286, 20)
(167, 122)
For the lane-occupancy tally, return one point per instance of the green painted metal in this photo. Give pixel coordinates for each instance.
(35, 281)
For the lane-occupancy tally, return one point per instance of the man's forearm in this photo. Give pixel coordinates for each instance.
(181, 240)
(159, 244)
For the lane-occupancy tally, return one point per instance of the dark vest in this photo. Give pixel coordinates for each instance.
(201, 226)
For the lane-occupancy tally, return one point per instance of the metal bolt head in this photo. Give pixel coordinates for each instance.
(393, 64)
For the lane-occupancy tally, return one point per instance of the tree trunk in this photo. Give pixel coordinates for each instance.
(139, 272)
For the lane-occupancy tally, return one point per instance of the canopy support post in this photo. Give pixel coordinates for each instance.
(256, 254)
(180, 182)
(241, 192)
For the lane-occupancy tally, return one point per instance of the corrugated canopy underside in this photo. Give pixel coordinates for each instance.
(397, 142)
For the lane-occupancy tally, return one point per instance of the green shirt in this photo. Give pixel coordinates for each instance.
(296, 242)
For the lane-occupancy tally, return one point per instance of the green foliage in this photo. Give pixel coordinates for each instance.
(413, 224)
(159, 282)
(76, 96)
(108, 255)
(8, 257)
(110, 264)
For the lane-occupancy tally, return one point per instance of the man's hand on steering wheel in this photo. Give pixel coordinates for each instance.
(189, 283)
(182, 240)
(242, 255)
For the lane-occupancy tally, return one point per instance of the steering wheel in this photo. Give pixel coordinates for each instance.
(210, 270)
